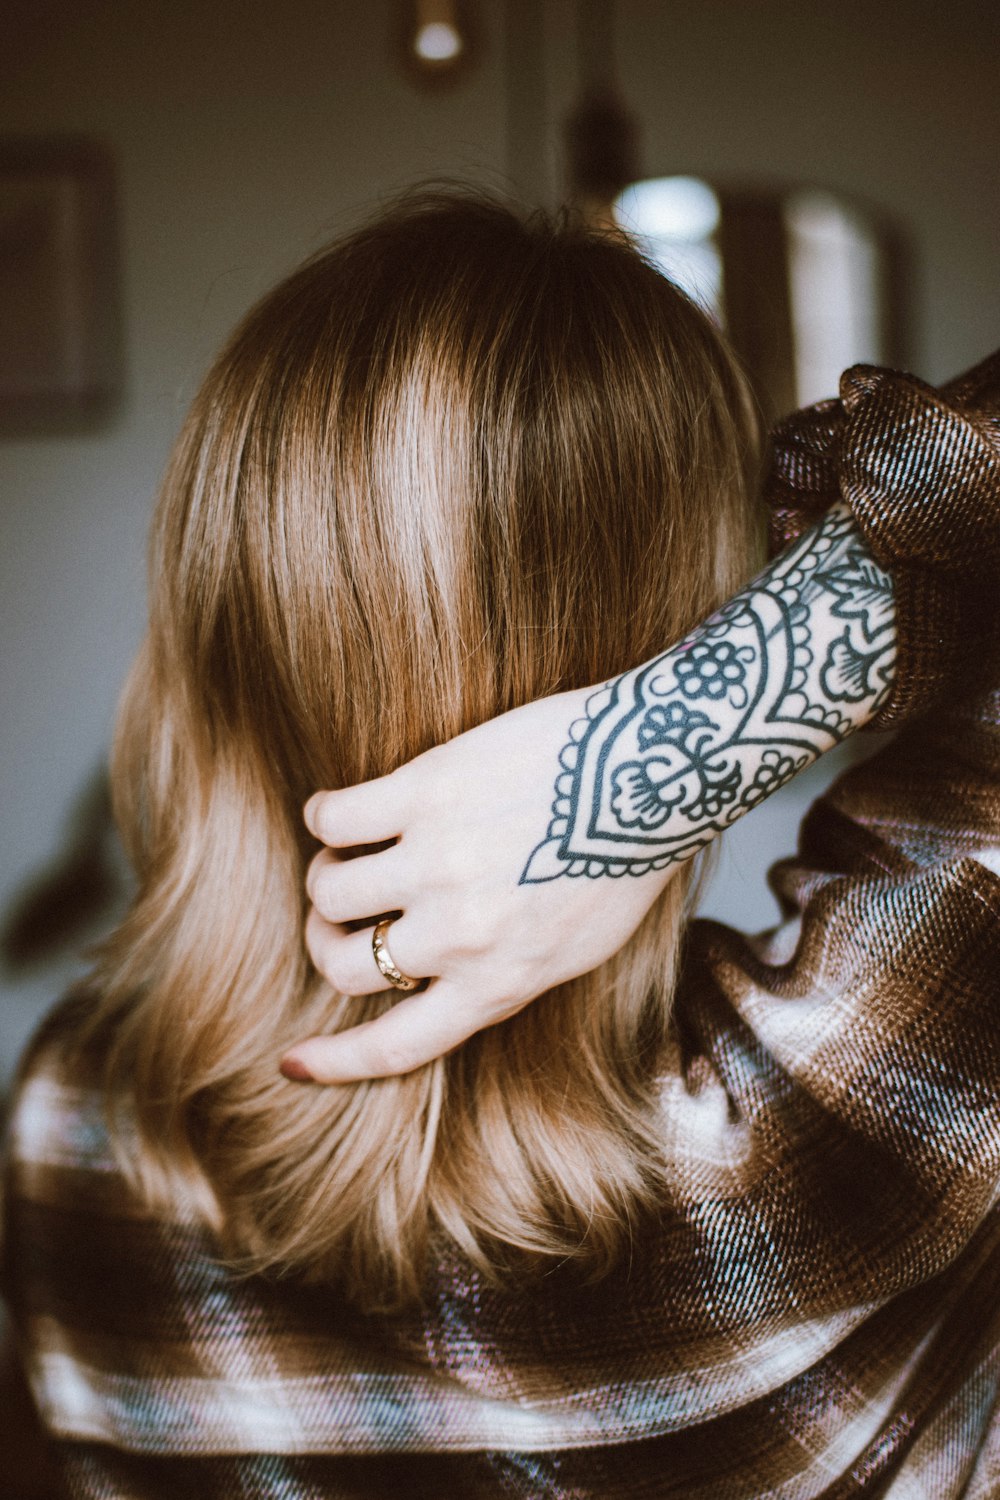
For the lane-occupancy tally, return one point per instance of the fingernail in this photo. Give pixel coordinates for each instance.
(295, 1069)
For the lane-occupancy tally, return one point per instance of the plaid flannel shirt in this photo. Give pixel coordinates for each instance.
(814, 1311)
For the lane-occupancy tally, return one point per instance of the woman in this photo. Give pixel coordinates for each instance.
(455, 464)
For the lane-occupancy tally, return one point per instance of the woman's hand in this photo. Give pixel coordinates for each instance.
(527, 851)
(465, 818)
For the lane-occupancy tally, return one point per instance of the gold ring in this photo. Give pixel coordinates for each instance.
(386, 967)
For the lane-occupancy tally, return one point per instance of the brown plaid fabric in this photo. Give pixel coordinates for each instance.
(814, 1311)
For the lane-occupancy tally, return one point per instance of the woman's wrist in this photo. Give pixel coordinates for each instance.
(672, 753)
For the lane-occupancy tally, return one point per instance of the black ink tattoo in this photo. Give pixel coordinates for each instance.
(669, 755)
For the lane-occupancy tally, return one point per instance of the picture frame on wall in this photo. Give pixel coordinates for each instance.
(60, 322)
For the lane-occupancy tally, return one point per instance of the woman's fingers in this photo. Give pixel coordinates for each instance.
(366, 814)
(414, 1032)
(461, 821)
(347, 890)
(346, 959)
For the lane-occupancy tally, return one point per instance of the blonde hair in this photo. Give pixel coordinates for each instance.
(455, 462)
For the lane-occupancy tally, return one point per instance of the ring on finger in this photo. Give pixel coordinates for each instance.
(387, 966)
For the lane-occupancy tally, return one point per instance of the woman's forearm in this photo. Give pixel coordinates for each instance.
(673, 752)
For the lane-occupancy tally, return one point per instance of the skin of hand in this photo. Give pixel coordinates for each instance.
(494, 944)
(507, 885)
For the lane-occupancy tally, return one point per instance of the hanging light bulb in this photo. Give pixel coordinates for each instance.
(675, 222)
(436, 38)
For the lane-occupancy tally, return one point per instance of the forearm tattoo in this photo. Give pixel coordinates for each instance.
(672, 753)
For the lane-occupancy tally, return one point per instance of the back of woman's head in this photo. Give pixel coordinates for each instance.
(455, 462)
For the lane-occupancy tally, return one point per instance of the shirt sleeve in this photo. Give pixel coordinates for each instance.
(920, 469)
(834, 1119)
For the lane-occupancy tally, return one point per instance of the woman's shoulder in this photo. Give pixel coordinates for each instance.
(101, 1287)
(56, 1116)
(69, 1142)
(135, 1332)
(72, 1185)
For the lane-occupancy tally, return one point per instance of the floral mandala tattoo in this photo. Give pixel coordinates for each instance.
(670, 755)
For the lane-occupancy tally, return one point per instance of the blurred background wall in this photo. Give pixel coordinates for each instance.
(246, 135)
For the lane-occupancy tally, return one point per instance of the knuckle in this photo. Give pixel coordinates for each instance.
(399, 782)
(473, 926)
(313, 812)
(411, 949)
(318, 950)
(315, 931)
(313, 871)
(501, 992)
(453, 863)
(424, 785)
(325, 891)
(395, 1056)
(330, 954)
(316, 861)
(325, 820)
(341, 973)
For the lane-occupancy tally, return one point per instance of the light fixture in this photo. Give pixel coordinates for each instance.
(675, 222)
(678, 208)
(436, 39)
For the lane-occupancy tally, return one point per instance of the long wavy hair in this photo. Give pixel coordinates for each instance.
(457, 461)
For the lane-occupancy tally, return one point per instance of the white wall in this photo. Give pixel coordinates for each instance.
(247, 135)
